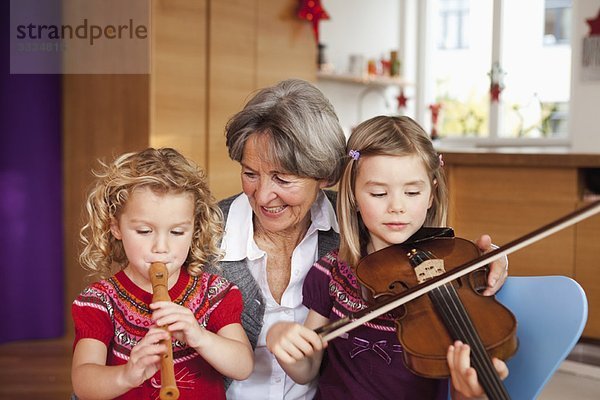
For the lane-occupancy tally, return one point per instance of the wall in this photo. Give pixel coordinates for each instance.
(369, 29)
(31, 200)
(585, 95)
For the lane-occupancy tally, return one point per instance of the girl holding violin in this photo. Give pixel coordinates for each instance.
(392, 186)
(146, 209)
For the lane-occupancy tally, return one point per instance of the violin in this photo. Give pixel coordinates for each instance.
(454, 311)
(449, 272)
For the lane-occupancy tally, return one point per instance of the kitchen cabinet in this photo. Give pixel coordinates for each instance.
(508, 194)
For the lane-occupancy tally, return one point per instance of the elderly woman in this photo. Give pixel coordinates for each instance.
(290, 146)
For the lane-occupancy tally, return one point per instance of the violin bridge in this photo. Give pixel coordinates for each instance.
(429, 269)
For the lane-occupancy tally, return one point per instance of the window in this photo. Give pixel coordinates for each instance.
(557, 22)
(453, 22)
(498, 39)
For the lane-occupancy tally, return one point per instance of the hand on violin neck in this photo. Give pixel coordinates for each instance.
(498, 270)
(465, 384)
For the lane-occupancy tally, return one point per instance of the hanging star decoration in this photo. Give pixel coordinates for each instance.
(402, 99)
(496, 81)
(435, 112)
(312, 11)
(590, 52)
(594, 25)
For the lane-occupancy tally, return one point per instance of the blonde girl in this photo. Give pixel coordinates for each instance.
(145, 207)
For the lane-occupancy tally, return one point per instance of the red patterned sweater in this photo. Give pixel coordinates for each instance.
(115, 311)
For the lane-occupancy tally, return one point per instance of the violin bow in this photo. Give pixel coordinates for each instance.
(341, 326)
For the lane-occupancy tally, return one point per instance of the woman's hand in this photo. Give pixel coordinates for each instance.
(464, 377)
(498, 269)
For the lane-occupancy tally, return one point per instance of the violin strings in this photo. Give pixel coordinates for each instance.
(456, 318)
(480, 357)
(462, 328)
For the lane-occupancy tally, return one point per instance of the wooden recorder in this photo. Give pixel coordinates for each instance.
(160, 292)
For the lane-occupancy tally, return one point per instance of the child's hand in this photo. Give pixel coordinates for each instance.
(290, 342)
(145, 357)
(180, 322)
(464, 377)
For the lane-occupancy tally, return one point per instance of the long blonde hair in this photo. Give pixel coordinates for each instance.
(162, 170)
(390, 136)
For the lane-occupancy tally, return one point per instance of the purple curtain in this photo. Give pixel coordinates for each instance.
(31, 226)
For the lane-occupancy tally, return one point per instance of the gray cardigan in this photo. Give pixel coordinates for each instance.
(238, 273)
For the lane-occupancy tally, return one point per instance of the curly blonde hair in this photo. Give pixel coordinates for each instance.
(162, 170)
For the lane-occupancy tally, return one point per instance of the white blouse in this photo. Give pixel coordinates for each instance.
(268, 380)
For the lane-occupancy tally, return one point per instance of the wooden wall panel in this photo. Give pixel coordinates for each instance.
(103, 116)
(286, 45)
(232, 79)
(178, 88)
(253, 44)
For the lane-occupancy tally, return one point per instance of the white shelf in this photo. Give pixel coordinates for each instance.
(366, 80)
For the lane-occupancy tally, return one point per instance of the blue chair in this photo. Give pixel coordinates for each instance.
(551, 313)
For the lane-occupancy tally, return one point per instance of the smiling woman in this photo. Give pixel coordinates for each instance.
(290, 146)
(280, 200)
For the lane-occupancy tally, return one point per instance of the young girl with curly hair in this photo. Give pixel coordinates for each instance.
(148, 207)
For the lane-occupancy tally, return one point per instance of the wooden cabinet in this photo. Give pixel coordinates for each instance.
(587, 269)
(509, 195)
(207, 57)
(508, 202)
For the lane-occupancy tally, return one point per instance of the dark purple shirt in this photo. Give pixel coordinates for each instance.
(365, 363)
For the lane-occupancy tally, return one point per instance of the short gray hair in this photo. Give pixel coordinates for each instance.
(306, 137)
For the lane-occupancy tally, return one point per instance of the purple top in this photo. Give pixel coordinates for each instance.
(365, 363)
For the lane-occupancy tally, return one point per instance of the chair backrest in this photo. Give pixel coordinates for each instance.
(551, 313)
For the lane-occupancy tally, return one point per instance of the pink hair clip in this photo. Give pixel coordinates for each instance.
(355, 154)
(441, 160)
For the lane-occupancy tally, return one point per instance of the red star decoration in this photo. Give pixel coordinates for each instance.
(594, 25)
(401, 100)
(311, 10)
(495, 91)
(435, 111)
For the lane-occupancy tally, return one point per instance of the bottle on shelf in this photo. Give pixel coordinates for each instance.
(394, 63)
